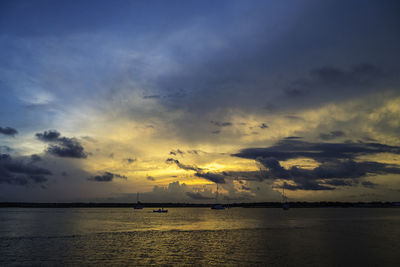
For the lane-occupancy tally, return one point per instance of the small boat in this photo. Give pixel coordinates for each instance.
(139, 205)
(162, 210)
(217, 207)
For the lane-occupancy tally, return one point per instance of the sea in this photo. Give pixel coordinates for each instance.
(200, 237)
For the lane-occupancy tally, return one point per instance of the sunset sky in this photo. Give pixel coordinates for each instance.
(100, 100)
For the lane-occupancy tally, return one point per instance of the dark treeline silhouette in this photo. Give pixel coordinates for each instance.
(323, 204)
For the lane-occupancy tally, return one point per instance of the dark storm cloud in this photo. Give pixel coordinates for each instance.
(68, 147)
(329, 173)
(22, 168)
(218, 178)
(336, 163)
(324, 83)
(150, 178)
(35, 158)
(293, 137)
(213, 177)
(197, 196)
(130, 160)
(352, 169)
(62, 146)
(245, 188)
(18, 172)
(8, 131)
(369, 184)
(307, 185)
(331, 135)
(357, 75)
(183, 166)
(247, 175)
(221, 123)
(176, 152)
(49, 136)
(290, 149)
(338, 182)
(106, 177)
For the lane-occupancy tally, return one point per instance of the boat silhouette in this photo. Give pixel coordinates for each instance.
(162, 210)
(138, 205)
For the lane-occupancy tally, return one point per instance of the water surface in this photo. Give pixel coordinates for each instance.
(200, 236)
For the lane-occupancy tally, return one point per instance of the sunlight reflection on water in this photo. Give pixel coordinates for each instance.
(200, 236)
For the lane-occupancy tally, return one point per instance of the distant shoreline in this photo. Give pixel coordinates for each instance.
(192, 205)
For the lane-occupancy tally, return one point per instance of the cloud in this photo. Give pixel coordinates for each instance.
(293, 137)
(18, 172)
(62, 146)
(49, 136)
(8, 131)
(69, 147)
(176, 152)
(338, 182)
(307, 185)
(183, 166)
(221, 123)
(213, 177)
(291, 149)
(35, 158)
(107, 177)
(359, 74)
(130, 160)
(369, 184)
(332, 135)
(337, 161)
(150, 178)
(198, 196)
(245, 188)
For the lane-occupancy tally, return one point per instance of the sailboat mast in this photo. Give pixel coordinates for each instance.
(216, 196)
(283, 192)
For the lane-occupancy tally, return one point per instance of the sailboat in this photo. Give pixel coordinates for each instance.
(285, 204)
(217, 206)
(138, 205)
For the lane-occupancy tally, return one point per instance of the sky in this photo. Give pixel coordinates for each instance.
(101, 100)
